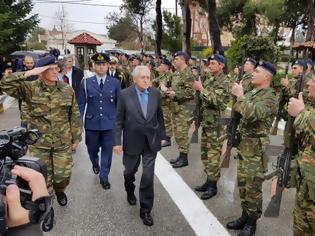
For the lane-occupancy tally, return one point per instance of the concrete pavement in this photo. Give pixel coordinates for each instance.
(93, 211)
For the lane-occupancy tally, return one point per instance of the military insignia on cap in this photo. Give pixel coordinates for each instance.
(100, 57)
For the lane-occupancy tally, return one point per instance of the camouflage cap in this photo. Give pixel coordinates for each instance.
(309, 61)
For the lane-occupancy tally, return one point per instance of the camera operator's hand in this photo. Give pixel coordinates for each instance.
(17, 215)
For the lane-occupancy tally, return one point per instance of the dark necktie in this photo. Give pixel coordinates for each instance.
(144, 104)
(101, 84)
(65, 79)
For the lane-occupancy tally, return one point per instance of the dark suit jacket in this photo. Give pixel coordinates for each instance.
(138, 130)
(119, 75)
(77, 76)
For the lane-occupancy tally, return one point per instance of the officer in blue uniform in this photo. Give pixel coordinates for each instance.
(97, 102)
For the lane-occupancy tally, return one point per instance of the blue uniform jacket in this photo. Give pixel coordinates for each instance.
(101, 104)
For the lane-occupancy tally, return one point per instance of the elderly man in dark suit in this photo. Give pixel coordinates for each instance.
(72, 75)
(140, 119)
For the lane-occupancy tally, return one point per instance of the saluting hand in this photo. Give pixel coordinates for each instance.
(296, 106)
(118, 149)
(36, 71)
(237, 89)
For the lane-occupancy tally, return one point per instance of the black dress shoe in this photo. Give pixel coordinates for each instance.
(96, 169)
(62, 198)
(146, 218)
(105, 185)
(131, 198)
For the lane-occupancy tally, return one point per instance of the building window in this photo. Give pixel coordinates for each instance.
(91, 51)
(80, 50)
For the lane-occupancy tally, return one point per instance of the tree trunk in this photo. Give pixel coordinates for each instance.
(214, 28)
(186, 26)
(141, 33)
(158, 39)
(310, 21)
(292, 40)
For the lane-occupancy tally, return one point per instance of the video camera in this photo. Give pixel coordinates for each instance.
(13, 147)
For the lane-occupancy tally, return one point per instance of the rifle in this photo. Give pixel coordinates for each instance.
(282, 102)
(194, 137)
(284, 161)
(230, 135)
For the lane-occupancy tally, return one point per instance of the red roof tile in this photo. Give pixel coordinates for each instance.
(85, 38)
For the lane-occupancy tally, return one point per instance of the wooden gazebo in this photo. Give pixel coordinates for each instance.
(307, 48)
(84, 45)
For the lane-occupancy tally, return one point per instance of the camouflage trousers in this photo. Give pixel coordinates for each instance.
(250, 172)
(181, 124)
(304, 214)
(59, 166)
(211, 151)
(168, 120)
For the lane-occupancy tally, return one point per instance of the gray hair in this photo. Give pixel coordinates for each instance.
(136, 71)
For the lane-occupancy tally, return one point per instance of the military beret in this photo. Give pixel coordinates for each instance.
(134, 56)
(218, 58)
(269, 67)
(166, 62)
(152, 63)
(113, 59)
(47, 60)
(299, 63)
(150, 56)
(195, 67)
(309, 61)
(204, 60)
(126, 55)
(251, 60)
(100, 57)
(181, 53)
(193, 58)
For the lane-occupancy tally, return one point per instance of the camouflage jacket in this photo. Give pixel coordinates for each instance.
(246, 82)
(214, 96)
(54, 110)
(304, 125)
(258, 109)
(290, 91)
(182, 84)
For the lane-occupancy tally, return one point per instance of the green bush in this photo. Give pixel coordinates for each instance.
(206, 52)
(258, 47)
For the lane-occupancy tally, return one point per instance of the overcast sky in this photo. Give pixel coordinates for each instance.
(84, 17)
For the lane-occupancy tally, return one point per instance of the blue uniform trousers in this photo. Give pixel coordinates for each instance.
(95, 140)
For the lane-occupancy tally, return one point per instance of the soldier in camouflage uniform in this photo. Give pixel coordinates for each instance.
(214, 95)
(55, 114)
(257, 109)
(182, 105)
(304, 124)
(249, 67)
(310, 69)
(162, 82)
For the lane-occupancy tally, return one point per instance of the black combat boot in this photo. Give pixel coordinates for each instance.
(238, 223)
(182, 161)
(202, 188)
(211, 191)
(250, 227)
